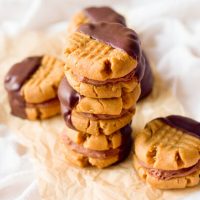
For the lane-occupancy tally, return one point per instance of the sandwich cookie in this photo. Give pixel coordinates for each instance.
(32, 87)
(95, 116)
(99, 151)
(106, 14)
(102, 53)
(167, 152)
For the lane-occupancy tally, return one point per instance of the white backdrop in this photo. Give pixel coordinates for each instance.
(170, 34)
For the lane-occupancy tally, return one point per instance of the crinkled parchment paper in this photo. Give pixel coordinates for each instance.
(59, 180)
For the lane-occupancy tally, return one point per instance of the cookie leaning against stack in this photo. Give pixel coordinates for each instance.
(32, 87)
(104, 57)
(167, 152)
(107, 14)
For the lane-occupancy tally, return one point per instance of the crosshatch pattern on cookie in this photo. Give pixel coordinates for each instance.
(43, 85)
(95, 60)
(167, 148)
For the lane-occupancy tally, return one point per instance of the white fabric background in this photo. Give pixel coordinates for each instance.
(170, 34)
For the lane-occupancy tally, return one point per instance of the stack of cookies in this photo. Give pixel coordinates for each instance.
(107, 14)
(103, 70)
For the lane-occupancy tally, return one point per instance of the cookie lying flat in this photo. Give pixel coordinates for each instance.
(94, 15)
(84, 153)
(94, 106)
(167, 152)
(32, 87)
(103, 52)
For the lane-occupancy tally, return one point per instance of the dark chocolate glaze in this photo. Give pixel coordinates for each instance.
(14, 80)
(106, 14)
(17, 104)
(126, 142)
(185, 124)
(147, 79)
(140, 69)
(68, 99)
(115, 35)
(20, 72)
(126, 132)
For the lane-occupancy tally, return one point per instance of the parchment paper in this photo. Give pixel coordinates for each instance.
(58, 180)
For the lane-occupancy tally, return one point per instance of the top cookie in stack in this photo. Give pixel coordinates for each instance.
(100, 91)
(107, 14)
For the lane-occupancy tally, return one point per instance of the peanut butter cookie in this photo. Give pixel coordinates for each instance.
(89, 151)
(167, 152)
(32, 87)
(103, 51)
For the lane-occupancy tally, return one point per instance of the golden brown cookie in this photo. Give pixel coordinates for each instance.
(102, 51)
(173, 183)
(89, 121)
(32, 87)
(80, 160)
(109, 90)
(93, 15)
(167, 152)
(112, 106)
(43, 110)
(84, 153)
(94, 142)
(88, 124)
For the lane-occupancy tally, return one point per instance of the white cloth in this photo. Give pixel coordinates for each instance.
(169, 30)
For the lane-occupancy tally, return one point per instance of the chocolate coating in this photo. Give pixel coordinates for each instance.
(188, 125)
(20, 72)
(147, 79)
(107, 14)
(116, 35)
(17, 104)
(68, 99)
(14, 80)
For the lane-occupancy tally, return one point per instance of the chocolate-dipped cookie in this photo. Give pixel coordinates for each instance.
(103, 52)
(32, 87)
(95, 116)
(167, 152)
(100, 151)
(94, 15)
(99, 90)
(112, 107)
